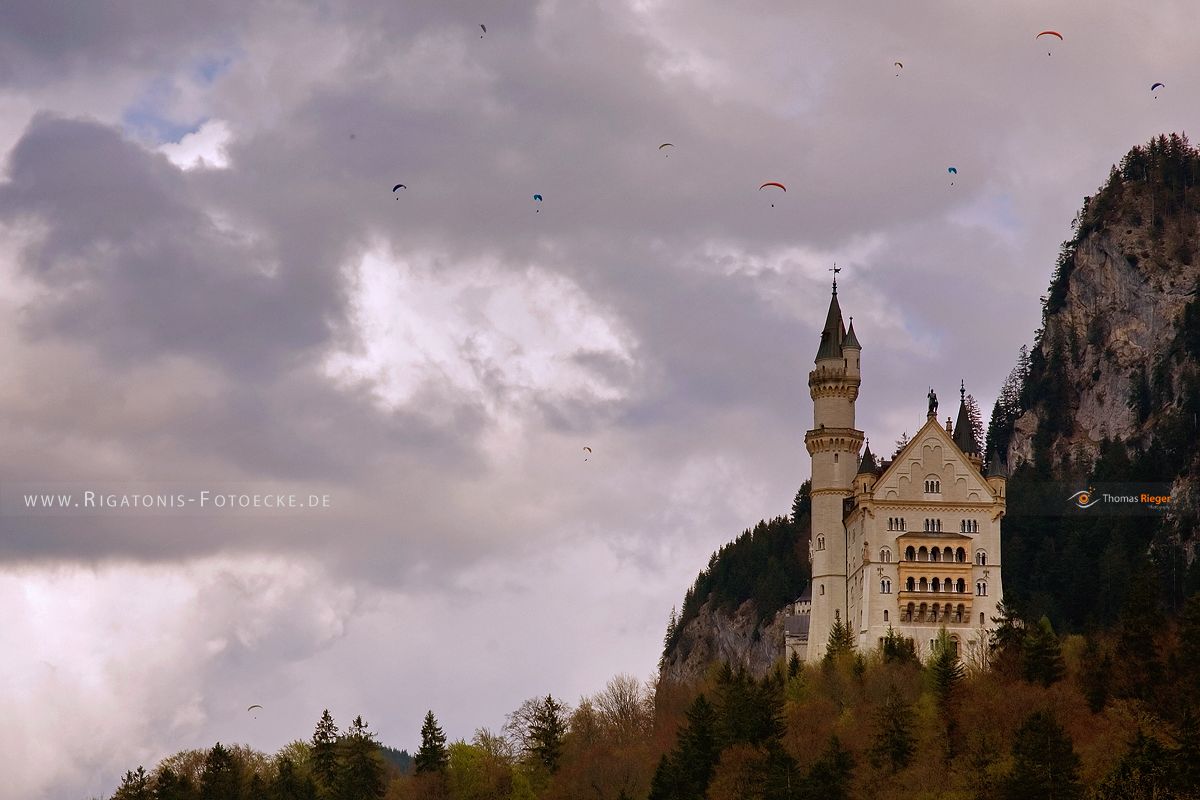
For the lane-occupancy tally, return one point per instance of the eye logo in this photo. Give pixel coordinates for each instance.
(1084, 498)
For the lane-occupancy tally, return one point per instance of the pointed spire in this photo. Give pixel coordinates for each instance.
(851, 339)
(996, 467)
(964, 434)
(867, 465)
(834, 331)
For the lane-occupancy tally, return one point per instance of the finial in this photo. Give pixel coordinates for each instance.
(962, 390)
(835, 269)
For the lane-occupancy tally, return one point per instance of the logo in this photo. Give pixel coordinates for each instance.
(1085, 498)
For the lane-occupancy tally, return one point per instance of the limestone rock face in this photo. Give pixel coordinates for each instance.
(716, 636)
(1122, 307)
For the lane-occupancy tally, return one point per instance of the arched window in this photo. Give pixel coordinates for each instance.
(981, 588)
(923, 554)
(921, 612)
(910, 554)
(961, 613)
(980, 617)
(908, 613)
(885, 555)
(937, 585)
(890, 521)
(960, 555)
(961, 586)
(935, 555)
(822, 588)
(820, 542)
(981, 558)
(947, 554)
(924, 585)
(885, 586)
(885, 616)
(911, 584)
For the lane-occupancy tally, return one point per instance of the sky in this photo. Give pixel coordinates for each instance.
(209, 286)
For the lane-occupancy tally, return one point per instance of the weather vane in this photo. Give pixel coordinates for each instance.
(835, 269)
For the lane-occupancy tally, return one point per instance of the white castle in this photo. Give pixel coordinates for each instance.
(911, 544)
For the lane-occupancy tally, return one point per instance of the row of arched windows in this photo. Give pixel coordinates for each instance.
(934, 554)
(913, 584)
(933, 525)
(968, 526)
(933, 487)
(897, 524)
(944, 612)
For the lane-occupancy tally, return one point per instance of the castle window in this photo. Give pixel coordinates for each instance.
(935, 555)
(822, 588)
(960, 555)
(885, 555)
(835, 455)
(924, 585)
(885, 619)
(981, 588)
(968, 526)
(981, 558)
(908, 612)
(937, 585)
(961, 586)
(947, 554)
(885, 586)
(980, 617)
(911, 585)
(820, 542)
(933, 486)
(910, 554)
(960, 614)
(923, 554)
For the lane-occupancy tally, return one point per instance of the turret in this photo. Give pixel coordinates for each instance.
(997, 474)
(964, 433)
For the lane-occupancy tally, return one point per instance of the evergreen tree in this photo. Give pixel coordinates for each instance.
(362, 774)
(1043, 661)
(219, 780)
(1137, 652)
(325, 755)
(841, 640)
(946, 671)
(829, 777)
(1008, 640)
(897, 649)
(288, 784)
(976, 419)
(1045, 764)
(687, 770)
(1146, 772)
(170, 785)
(135, 785)
(547, 732)
(432, 756)
(901, 443)
(894, 742)
(802, 504)
(794, 666)
(1096, 676)
(665, 783)
(669, 639)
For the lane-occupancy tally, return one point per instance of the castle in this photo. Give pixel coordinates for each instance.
(911, 544)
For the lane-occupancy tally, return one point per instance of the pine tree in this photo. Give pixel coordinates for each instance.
(946, 671)
(976, 418)
(894, 742)
(325, 755)
(901, 443)
(793, 668)
(698, 748)
(432, 756)
(1146, 772)
(288, 784)
(1045, 764)
(1008, 640)
(1043, 660)
(219, 780)
(547, 732)
(134, 786)
(829, 777)
(841, 640)
(169, 785)
(1096, 676)
(665, 783)
(669, 639)
(897, 649)
(362, 774)
(802, 503)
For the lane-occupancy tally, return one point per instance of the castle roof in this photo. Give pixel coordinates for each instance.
(851, 339)
(834, 331)
(964, 435)
(995, 467)
(867, 465)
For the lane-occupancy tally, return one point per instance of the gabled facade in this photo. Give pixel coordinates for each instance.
(912, 544)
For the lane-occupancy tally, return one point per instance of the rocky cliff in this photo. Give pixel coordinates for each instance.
(715, 636)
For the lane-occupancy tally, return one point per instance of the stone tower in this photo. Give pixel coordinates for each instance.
(833, 444)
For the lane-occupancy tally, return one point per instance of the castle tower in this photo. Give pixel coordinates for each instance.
(833, 444)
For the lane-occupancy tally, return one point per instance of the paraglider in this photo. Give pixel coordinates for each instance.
(899, 66)
(775, 184)
(251, 708)
(397, 188)
(588, 449)
(1055, 34)
(1157, 86)
(538, 198)
(481, 25)
(952, 171)
(666, 144)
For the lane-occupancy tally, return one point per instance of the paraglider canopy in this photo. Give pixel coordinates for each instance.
(537, 197)
(399, 186)
(1157, 85)
(484, 27)
(1050, 33)
(952, 170)
(665, 144)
